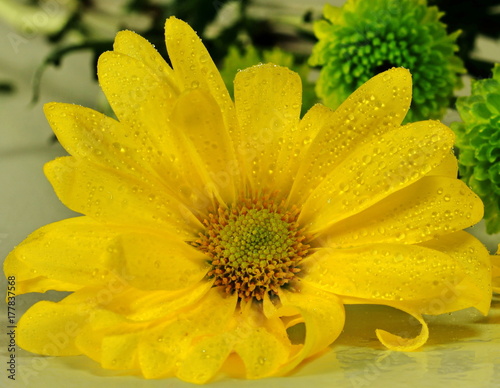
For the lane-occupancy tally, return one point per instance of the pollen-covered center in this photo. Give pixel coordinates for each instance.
(254, 248)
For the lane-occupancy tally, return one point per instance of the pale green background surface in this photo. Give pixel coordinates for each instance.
(463, 349)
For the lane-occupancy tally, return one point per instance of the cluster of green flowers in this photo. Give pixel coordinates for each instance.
(478, 141)
(364, 38)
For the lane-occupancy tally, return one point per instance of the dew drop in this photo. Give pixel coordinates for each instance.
(400, 236)
(344, 186)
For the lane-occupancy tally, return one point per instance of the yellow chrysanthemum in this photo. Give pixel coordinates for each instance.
(212, 228)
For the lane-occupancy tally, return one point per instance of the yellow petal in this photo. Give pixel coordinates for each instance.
(134, 91)
(194, 67)
(323, 314)
(430, 207)
(297, 142)
(28, 280)
(73, 251)
(93, 137)
(120, 351)
(112, 197)
(396, 342)
(410, 274)
(207, 142)
(372, 110)
(261, 343)
(135, 46)
(102, 323)
(50, 328)
(373, 171)
(262, 353)
(475, 289)
(43, 284)
(150, 305)
(166, 346)
(393, 341)
(205, 358)
(159, 262)
(268, 308)
(155, 363)
(267, 100)
(448, 167)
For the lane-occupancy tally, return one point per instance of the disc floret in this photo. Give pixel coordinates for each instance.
(254, 247)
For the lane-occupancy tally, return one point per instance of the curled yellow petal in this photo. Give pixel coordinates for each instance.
(396, 342)
(403, 342)
(323, 315)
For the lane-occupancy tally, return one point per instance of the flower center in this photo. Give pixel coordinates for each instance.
(254, 247)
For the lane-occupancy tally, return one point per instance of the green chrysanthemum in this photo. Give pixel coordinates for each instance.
(236, 60)
(366, 37)
(478, 141)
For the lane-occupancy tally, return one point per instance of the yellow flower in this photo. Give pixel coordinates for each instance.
(213, 230)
